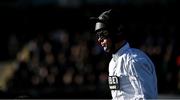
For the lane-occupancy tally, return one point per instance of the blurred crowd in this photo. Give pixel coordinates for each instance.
(62, 62)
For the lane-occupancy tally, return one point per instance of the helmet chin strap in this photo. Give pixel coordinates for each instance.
(116, 44)
(112, 49)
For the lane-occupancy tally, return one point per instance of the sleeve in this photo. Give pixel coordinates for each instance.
(142, 79)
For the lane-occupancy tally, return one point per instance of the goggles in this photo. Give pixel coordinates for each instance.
(103, 34)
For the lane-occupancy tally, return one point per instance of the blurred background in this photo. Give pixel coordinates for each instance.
(48, 50)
